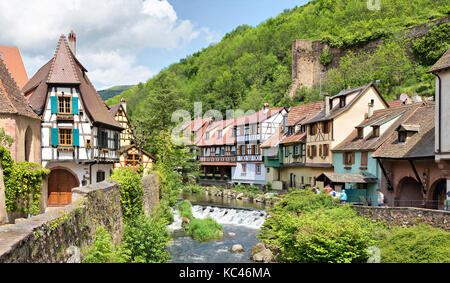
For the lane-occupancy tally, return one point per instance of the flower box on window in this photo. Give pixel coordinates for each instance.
(64, 117)
(65, 148)
(105, 150)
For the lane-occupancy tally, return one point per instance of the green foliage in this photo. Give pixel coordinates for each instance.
(335, 235)
(185, 209)
(252, 65)
(304, 201)
(103, 250)
(326, 57)
(205, 230)
(175, 166)
(145, 240)
(420, 244)
(5, 139)
(131, 193)
(112, 92)
(23, 181)
(433, 45)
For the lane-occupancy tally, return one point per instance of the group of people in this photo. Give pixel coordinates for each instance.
(342, 196)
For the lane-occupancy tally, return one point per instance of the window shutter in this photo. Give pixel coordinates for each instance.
(55, 137)
(76, 137)
(75, 105)
(353, 158)
(99, 138)
(106, 140)
(54, 104)
(309, 151)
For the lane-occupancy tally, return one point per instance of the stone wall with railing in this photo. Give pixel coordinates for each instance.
(406, 216)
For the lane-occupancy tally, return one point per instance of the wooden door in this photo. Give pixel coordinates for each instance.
(60, 185)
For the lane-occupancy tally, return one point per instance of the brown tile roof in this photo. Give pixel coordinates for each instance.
(227, 136)
(362, 178)
(113, 109)
(442, 63)
(337, 110)
(12, 100)
(303, 112)
(64, 68)
(380, 117)
(420, 144)
(296, 138)
(258, 116)
(13, 60)
(395, 103)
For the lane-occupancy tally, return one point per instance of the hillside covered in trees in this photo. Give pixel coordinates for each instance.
(252, 65)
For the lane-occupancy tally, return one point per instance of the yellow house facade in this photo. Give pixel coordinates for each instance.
(340, 115)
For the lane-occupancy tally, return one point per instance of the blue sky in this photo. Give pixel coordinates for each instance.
(219, 17)
(127, 41)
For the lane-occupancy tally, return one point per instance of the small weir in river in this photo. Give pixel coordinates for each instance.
(244, 223)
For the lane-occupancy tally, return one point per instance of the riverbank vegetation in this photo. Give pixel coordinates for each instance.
(310, 228)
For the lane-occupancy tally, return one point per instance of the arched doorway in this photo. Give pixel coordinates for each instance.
(28, 144)
(60, 185)
(409, 193)
(438, 195)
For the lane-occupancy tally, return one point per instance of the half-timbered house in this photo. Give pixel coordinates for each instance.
(251, 132)
(80, 138)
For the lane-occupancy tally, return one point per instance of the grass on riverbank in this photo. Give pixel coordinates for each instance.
(185, 209)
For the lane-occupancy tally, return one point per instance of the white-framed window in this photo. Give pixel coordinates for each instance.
(244, 169)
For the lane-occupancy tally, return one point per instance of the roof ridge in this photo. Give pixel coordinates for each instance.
(5, 93)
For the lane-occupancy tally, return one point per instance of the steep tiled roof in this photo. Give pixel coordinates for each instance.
(359, 91)
(301, 113)
(258, 116)
(420, 144)
(380, 117)
(12, 100)
(227, 134)
(64, 68)
(442, 63)
(395, 103)
(113, 109)
(11, 57)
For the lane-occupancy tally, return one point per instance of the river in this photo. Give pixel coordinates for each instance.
(242, 218)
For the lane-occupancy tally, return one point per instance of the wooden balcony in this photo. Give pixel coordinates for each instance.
(216, 159)
(250, 158)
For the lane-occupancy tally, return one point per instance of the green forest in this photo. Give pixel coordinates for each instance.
(252, 65)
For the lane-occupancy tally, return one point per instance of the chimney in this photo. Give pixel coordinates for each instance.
(73, 42)
(370, 113)
(327, 104)
(123, 102)
(266, 107)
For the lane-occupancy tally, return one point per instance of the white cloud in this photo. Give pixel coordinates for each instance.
(109, 33)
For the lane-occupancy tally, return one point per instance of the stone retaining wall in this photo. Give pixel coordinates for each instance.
(46, 238)
(406, 216)
(150, 183)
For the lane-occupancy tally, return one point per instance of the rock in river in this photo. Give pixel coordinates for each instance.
(237, 249)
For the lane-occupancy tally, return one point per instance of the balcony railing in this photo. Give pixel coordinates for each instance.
(248, 138)
(250, 158)
(229, 159)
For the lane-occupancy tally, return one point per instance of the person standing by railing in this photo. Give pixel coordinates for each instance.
(380, 198)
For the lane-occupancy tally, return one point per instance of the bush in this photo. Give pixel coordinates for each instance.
(303, 201)
(103, 251)
(185, 209)
(433, 45)
(420, 244)
(326, 57)
(205, 229)
(324, 236)
(145, 240)
(131, 193)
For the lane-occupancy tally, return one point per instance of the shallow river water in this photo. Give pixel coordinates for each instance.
(242, 221)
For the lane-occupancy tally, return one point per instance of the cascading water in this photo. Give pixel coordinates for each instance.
(223, 215)
(243, 223)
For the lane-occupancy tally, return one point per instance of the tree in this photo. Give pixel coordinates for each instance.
(5, 141)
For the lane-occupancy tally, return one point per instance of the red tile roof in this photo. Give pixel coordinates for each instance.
(258, 116)
(301, 113)
(12, 100)
(227, 135)
(11, 57)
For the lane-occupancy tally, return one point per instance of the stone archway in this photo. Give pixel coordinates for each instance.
(409, 193)
(60, 184)
(28, 144)
(437, 195)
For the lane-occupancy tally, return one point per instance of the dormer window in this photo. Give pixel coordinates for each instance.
(291, 131)
(220, 134)
(360, 133)
(376, 131)
(342, 102)
(402, 137)
(303, 129)
(207, 136)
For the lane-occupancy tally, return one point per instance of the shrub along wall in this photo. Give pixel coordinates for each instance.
(405, 216)
(46, 238)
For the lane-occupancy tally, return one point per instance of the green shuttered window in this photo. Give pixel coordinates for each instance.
(75, 105)
(54, 104)
(55, 137)
(76, 137)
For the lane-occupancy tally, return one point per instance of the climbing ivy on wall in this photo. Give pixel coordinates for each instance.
(23, 181)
